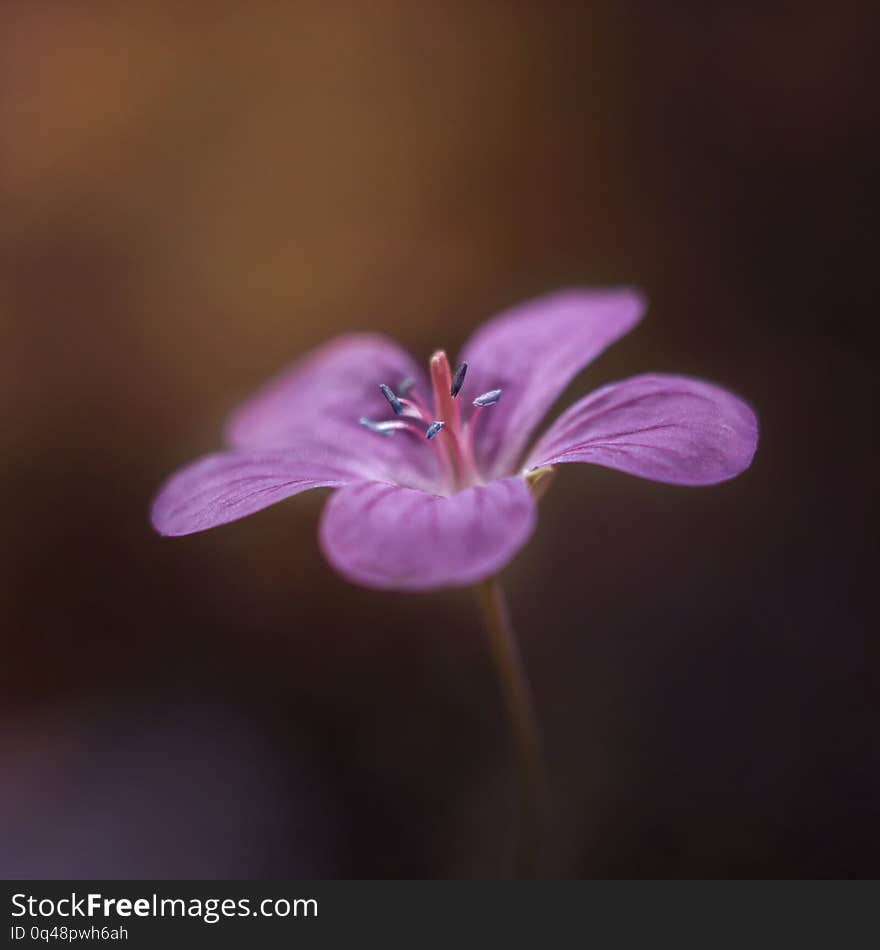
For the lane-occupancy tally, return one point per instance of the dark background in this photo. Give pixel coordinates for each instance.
(194, 195)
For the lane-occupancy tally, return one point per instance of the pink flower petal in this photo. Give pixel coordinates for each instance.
(383, 536)
(531, 353)
(666, 428)
(219, 488)
(320, 400)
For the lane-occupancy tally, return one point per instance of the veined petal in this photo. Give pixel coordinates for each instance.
(531, 353)
(219, 488)
(388, 537)
(667, 428)
(322, 397)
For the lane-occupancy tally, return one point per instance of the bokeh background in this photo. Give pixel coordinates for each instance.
(194, 195)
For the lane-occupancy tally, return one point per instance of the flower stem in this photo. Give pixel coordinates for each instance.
(523, 726)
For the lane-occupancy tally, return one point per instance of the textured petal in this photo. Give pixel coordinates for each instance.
(666, 428)
(531, 353)
(383, 536)
(320, 400)
(219, 488)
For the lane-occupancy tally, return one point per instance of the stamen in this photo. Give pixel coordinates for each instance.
(413, 410)
(488, 399)
(388, 393)
(433, 429)
(381, 428)
(458, 380)
(413, 413)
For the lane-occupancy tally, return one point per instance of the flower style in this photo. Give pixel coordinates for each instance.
(432, 475)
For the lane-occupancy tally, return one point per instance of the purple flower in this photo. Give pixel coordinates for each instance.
(432, 474)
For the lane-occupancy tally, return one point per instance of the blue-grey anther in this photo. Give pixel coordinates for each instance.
(458, 380)
(388, 393)
(488, 399)
(433, 429)
(405, 385)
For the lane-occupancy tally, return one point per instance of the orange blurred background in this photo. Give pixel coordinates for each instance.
(194, 195)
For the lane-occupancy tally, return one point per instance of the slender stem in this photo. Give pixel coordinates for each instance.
(523, 726)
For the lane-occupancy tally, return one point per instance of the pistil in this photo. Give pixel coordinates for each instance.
(446, 387)
(445, 406)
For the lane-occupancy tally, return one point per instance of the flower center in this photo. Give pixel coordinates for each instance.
(451, 437)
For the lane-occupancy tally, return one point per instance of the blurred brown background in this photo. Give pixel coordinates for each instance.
(193, 195)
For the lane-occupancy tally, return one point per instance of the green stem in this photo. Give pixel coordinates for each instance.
(520, 711)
